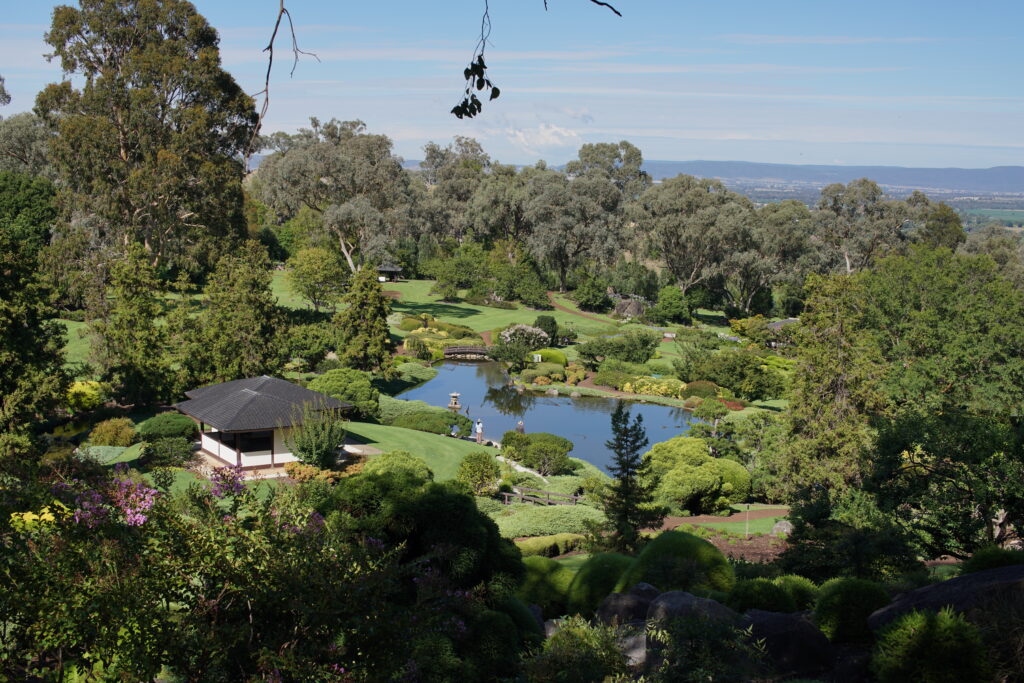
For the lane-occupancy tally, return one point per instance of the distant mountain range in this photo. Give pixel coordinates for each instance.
(1001, 179)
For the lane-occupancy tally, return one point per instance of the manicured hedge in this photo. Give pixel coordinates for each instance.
(117, 431)
(802, 590)
(167, 425)
(434, 421)
(675, 560)
(549, 357)
(991, 557)
(760, 594)
(549, 546)
(595, 580)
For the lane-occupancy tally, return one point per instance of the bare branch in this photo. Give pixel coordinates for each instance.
(282, 13)
(602, 4)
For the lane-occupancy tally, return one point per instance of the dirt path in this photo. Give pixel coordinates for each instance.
(486, 336)
(564, 309)
(673, 522)
(589, 384)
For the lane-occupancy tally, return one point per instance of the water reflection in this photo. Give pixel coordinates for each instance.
(486, 393)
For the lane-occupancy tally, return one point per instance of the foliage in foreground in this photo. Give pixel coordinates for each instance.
(931, 647)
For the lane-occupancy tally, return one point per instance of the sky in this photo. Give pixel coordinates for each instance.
(895, 83)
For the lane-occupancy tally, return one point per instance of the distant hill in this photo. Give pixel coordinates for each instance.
(1001, 179)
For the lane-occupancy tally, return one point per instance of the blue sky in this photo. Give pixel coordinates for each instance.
(904, 82)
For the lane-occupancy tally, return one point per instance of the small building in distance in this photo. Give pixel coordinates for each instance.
(388, 272)
(247, 422)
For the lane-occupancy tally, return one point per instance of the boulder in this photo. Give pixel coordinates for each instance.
(783, 526)
(963, 594)
(552, 626)
(629, 308)
(552, 392)
(644, 590)
(623, 608)
(633, 644)
(575, 394)
(793, 644)
(680, 604)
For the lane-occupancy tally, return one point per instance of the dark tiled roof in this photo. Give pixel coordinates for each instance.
(253, 403)
(779, 324)
(389, 268)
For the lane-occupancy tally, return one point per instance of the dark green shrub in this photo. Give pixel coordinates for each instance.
(675, 560)
(352, 386)
(549, 325)
(546, 458)
(612, 378)
(991, 557)
(672, 307)
(592, 296)
(844, 606)
(802, 590)
(166, 425)
(311, 342)
(579, 652)
(549, 546)
(701, 389)
(117, 431)
(700, 648)
(531, 632)
(328, 364)
(547, 520)
(546, 584)
(760, 594)
(171, 451)
(416, 348)
(931, 647)
(479, 471)
(595, 580)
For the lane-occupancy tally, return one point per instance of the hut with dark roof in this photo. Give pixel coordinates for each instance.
(389, 272)
(247, 422)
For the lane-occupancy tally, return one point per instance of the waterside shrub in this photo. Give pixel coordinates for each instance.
(117, 431)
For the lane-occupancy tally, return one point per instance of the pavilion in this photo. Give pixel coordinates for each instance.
(247, 422)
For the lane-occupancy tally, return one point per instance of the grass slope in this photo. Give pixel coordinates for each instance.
(441, 453)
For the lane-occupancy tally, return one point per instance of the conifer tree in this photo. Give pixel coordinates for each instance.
(629, 501)
(364, 342)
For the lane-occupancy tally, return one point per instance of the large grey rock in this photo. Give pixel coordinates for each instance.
(644, 590)
(783, 526)
(683, 605)
(963, 594)
(552, 392)
(794, 645)
(552, 626)
(629, 308)
(633, 644)
(623, 608)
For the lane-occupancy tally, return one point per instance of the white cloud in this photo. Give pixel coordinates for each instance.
(546, 136)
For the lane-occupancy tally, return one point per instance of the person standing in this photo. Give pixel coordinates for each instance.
(479, 430)
(520, 427)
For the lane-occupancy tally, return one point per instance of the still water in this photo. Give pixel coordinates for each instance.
(486, 394)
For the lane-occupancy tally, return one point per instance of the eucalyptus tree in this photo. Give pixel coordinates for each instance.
(346, 176)
(689, 223)
(768, 246)
(573, 220)
(1003, 247)
(619, 161)
(453, 173)
(151, 142)
(500, 207)
(24, 145)
(856, 224)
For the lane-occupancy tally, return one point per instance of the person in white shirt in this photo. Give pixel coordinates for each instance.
(479, 431)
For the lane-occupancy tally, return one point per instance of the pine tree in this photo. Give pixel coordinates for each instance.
(629, 501)
(364, 342)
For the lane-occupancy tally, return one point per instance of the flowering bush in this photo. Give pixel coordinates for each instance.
(651, 386)
(528, 336)
(228, 482)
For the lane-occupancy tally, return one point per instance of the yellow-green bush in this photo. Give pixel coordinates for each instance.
(760, 594)
(652, 386)
(85, 395)
(545, 584)
(802, 590)
(595, 580)
(675, 560)
(117, 431)
(931, 647)
(844, 606)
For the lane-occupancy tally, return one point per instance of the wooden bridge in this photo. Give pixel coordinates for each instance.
(466, 353)
(526, 495)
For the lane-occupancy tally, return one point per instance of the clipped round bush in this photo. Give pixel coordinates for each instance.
(991, 557)
(400, 462)
(545, 584)
(171, 451)
(480, 472)
(435, 421)
(802, 590)
(548, 546)
(760, 594)
(117, 431)
(351, 386)
(844, 606)
(85, 395)
(735, 479)
(701, 389)
(595, 580)
(168, 425)
(931, 647)
(552, 356)
(676, 560)
(410, 324)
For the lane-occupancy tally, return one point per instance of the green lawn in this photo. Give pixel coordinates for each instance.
(77, 348)
(757, 526)
(573, 562)
(442, 453)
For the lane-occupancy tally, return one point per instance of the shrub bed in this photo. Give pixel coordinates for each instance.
(519, 521)
(549, 546)
(931, 647)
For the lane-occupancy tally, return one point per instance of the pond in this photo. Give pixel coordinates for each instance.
(486, 394)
